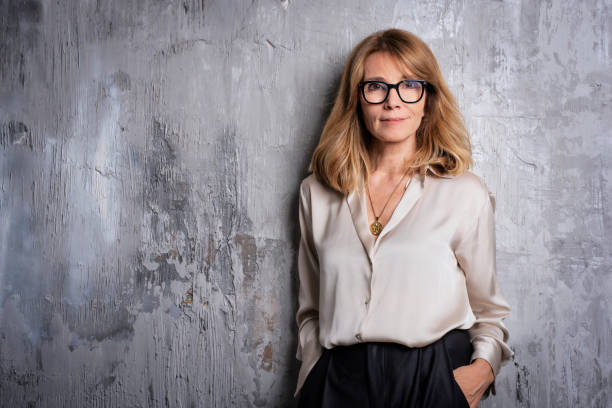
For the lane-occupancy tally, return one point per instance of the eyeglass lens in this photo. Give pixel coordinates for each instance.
(409, 91)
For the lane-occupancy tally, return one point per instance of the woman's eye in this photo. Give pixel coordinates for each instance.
(374, 86)
(411, 84)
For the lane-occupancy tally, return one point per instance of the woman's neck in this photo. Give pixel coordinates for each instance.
(389, 159)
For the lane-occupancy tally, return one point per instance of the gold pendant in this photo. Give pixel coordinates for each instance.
(376, 227)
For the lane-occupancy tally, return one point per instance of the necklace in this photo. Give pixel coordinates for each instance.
(376, 227)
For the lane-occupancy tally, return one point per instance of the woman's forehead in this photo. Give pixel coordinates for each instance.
(381, 63)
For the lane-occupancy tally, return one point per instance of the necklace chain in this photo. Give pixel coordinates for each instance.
(376, 227)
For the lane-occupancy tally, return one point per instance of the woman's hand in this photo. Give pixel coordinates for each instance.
(474, 379)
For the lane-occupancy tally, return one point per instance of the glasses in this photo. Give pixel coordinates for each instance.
(409, 90)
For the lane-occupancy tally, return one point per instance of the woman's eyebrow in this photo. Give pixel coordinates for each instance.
(384, 80)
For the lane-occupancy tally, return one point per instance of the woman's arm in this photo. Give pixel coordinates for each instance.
(475, 253)
(307, 316)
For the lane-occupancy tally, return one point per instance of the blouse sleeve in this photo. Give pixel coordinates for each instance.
(475, 254)
(307, 316)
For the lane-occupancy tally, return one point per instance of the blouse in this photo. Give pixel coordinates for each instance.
(431, 269)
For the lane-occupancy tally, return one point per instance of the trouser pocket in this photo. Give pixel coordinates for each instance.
(458, 350)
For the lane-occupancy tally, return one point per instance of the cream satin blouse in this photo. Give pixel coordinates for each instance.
(431, 269)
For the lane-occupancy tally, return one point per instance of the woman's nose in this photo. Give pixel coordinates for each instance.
(393, 98)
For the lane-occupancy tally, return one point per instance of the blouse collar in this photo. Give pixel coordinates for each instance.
(429, 171)
(356, 201)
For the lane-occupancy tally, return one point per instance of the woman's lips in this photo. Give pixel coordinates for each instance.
(394, 120)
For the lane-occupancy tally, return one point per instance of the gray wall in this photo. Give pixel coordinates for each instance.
(150, 154)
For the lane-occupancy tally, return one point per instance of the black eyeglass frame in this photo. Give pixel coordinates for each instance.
(423, 83)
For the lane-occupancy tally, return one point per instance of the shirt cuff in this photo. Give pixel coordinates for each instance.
(488, 351)
(309, 351)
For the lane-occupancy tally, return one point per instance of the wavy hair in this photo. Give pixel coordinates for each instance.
(341, 159)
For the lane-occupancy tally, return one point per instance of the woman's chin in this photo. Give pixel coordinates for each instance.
(392, 138)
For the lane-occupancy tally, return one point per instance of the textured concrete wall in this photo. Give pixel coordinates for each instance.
(150, 154)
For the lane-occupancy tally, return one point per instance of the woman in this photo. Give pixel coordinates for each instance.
(398, 302)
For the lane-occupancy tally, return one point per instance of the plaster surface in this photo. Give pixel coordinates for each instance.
(150, 157)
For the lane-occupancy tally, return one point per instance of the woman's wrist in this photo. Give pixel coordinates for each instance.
(484, 366)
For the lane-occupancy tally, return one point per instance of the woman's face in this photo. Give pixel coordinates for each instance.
(393, 120)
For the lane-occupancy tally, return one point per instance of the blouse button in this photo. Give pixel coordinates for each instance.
(358, 336)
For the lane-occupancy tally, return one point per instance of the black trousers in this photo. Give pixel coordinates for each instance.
(389, 375)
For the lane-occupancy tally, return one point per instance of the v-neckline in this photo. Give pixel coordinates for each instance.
(357, 203)
(365, 201)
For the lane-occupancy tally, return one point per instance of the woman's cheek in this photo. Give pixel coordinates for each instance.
(371, 124)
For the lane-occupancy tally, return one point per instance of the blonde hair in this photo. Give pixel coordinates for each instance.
(341, 158)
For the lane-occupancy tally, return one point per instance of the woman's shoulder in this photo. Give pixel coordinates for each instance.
(472, 181)
(308, 180)
(312, 183)
(477, 185)
(307, 183)
(469, 184)
(312, 188)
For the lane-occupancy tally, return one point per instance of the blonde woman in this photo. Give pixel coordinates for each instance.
(399, 304)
